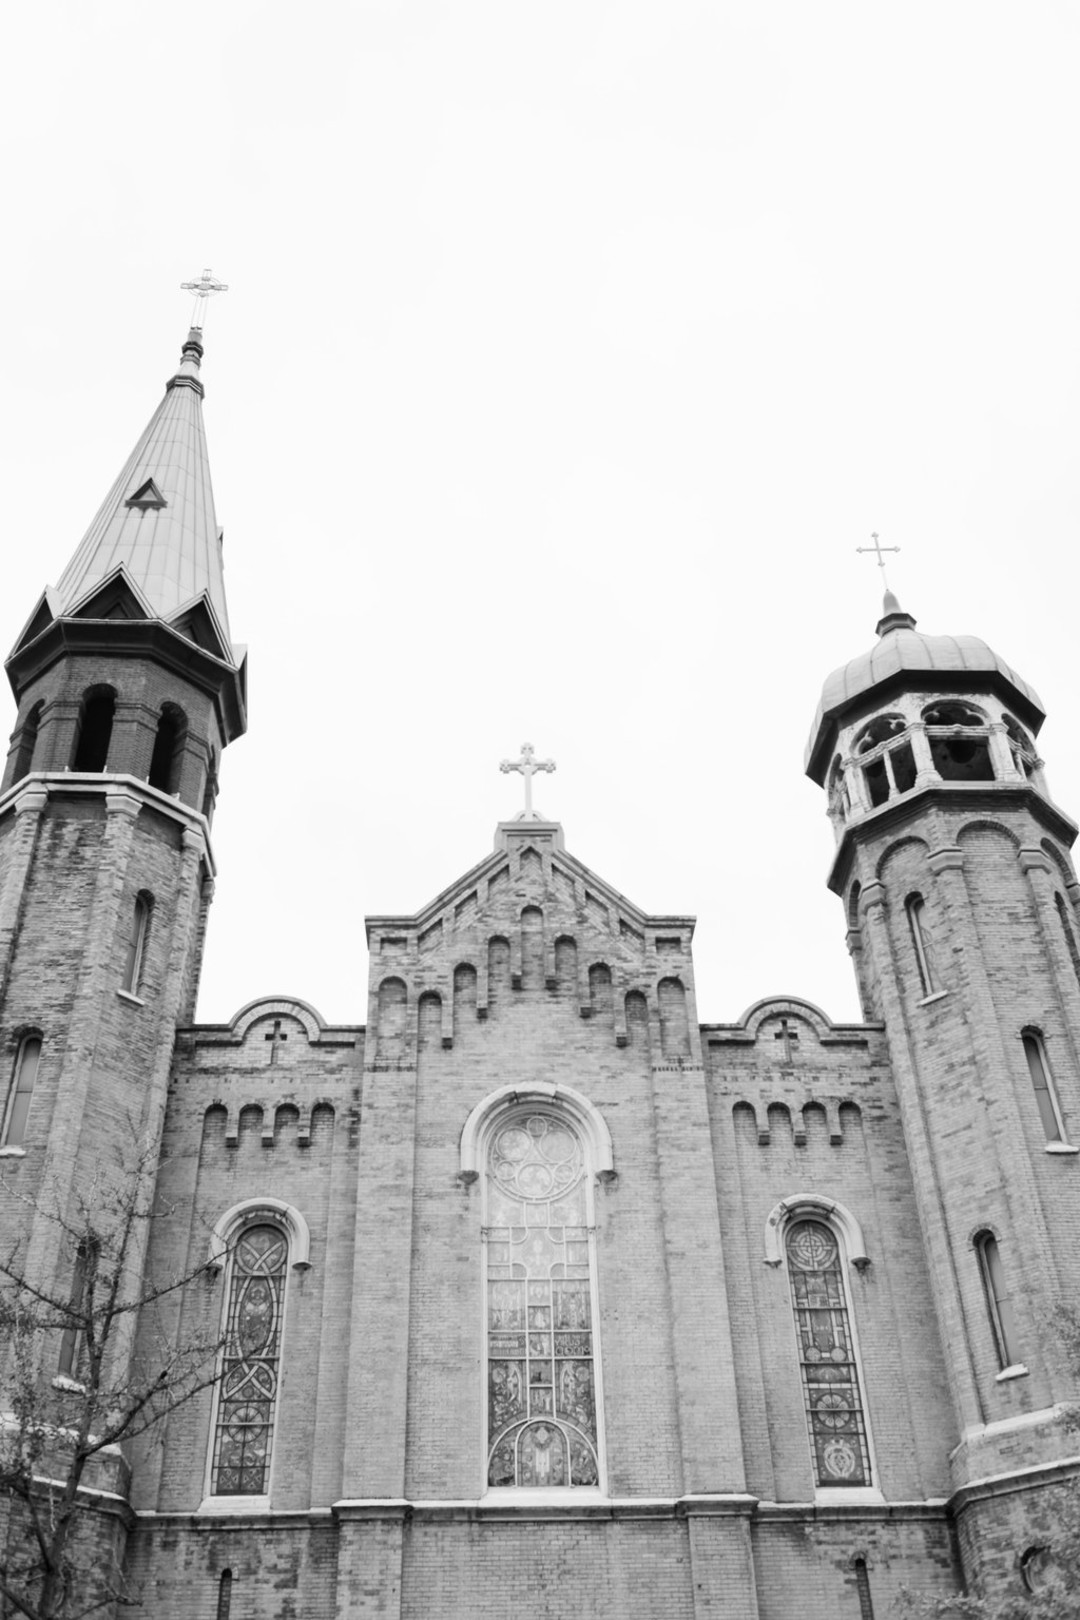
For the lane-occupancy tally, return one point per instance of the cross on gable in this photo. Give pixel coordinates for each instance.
(528, 766)
(789, 1037)
(274, 1036)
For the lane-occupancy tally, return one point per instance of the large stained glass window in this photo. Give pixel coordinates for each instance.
(247, 1393)
(540, 1337)
(830, 1374)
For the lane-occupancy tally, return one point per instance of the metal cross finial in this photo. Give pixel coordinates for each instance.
(204, 289)
(528, 766)
(880, 550)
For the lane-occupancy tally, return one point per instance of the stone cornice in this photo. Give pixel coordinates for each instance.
(35, 790)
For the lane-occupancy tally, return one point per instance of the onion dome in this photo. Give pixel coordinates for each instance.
(903, 659)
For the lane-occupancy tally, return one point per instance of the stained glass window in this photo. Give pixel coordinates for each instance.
(247, 1394)
(540, 1334)
(830, 1375)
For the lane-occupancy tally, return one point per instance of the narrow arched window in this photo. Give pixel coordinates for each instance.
(224, 1600)
(136, 946)
(83, 1278)
(862, 1587)
(95, 730)
(248, 1387)
(921, 943)
(998, 1303)
(542, 1362)
(20, 1091)
(1043, 1084)
(164, 761)
(1069, 933)
(28, 735)
(830, 1375)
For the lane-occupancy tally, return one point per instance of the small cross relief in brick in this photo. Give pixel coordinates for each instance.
(275, 1036)
(789, 1036)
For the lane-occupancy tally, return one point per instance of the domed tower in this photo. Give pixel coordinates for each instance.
(128, 688)
(961, 901)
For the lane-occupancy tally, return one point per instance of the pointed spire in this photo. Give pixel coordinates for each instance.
(893, 616)
(157, 523)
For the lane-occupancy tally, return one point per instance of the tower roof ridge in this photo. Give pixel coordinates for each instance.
(158, 519)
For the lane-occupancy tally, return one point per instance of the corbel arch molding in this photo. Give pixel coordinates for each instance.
(1060, 860)
(779, 1006)
(826, 1209)
(909, 842)
(277, 1006)
(488, 1114)
(986, 824)
(246, 1213)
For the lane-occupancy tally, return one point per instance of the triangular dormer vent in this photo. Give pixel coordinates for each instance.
(147, 498)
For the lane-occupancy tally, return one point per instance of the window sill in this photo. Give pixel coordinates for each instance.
(127, 995)
(1061, 1147)
(938, 995)
(837, 1495)
(12, 1153)
(1017, 1370)
(70, 1386)
(234, 1504)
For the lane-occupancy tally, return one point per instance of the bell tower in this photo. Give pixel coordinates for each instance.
(961, 901)
(128, 689)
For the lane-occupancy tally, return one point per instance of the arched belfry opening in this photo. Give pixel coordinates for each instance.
(168, 746)
(95, 730)
(959, 740)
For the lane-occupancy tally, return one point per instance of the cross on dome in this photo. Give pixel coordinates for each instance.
(880, 550)
(528, 766)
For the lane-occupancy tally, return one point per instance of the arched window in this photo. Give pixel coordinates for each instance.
(247, 1391)
(95, 730)
(210, 788)
(830, 1375)
(224, 1600)
(998, 1304)
(862, 1588)
(1021, 747)
(20, 1091)
(922, 944)
(542, 1361)
(136, 947)
(1043, 1083)
(24, 758)
(83, 1276)
(1070, 936)
(889, 763)
(959, 740)
(165, 760)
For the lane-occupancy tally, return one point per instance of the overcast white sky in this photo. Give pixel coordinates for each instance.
(570, 352)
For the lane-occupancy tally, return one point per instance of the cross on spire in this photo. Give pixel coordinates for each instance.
(528, 766)
(204, 289)
(880, 550)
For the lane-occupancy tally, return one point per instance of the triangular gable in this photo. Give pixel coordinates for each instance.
(114, 597)
(45, 611)
(197, 621)
(519, 841)
(147, 498)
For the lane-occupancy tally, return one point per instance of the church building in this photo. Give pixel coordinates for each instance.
(540, 1294)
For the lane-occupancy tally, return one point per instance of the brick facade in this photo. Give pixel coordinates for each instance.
(530, 988)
